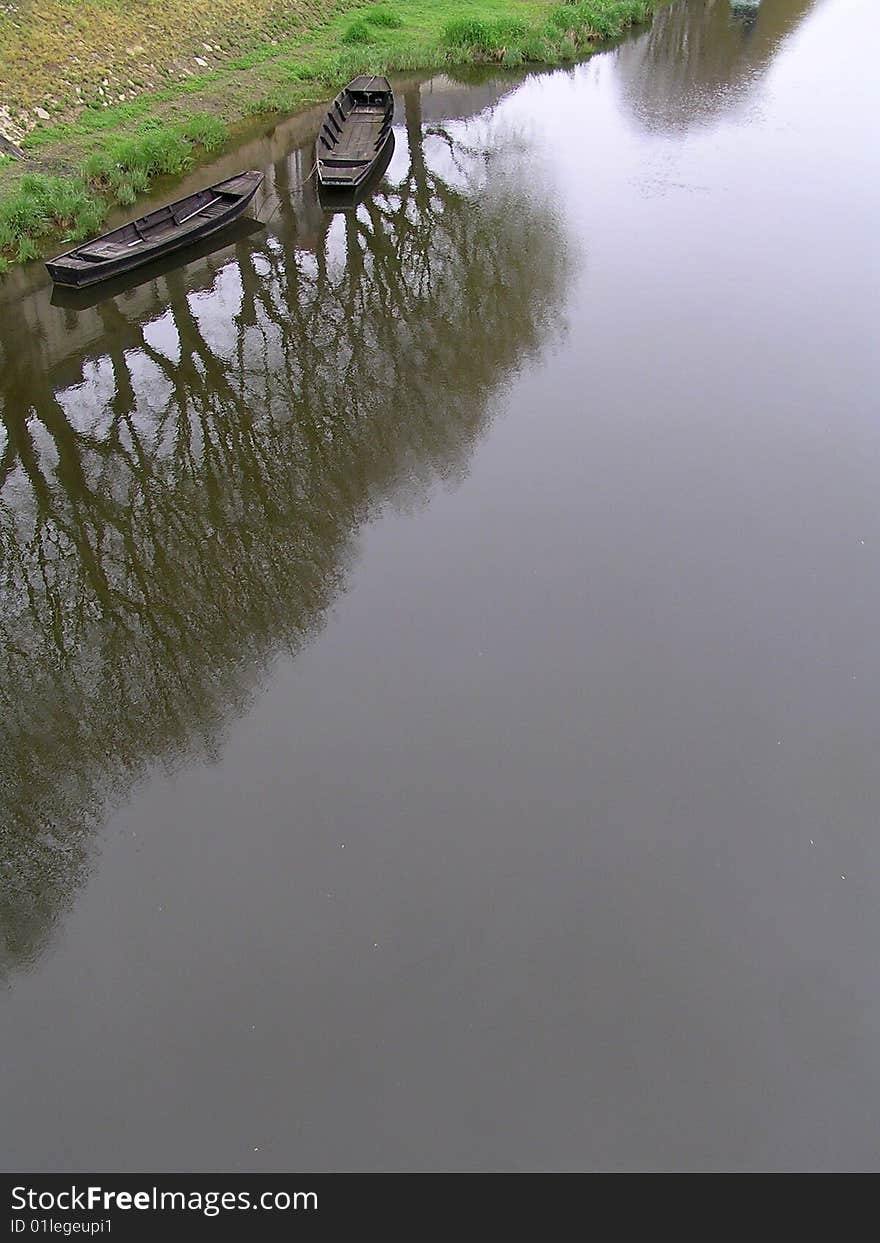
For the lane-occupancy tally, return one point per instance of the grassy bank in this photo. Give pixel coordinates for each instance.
(94, 141)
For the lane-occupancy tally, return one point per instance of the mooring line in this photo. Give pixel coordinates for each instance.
(304, 182)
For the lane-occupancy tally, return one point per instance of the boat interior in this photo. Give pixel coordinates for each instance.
(191, 213)
(355, 126)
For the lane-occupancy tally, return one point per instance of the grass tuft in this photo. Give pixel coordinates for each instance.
(88, 220)
(357, 32)
(40, 206)
(27, 251)
(478, 35)
(534, 48)
(205, 131)
(381, 16)
(125, 166)
(597, 19)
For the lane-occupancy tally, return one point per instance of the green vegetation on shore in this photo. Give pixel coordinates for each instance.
(97, 154)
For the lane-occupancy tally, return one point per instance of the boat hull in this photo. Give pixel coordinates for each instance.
(111, 255)
(82, 298)
(355, 134)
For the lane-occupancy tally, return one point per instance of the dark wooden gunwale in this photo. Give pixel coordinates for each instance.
(187, 221)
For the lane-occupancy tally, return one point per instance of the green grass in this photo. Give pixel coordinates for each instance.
(109, 47)
(593, 19)
(46, 206)
(42, 206)
(481, 36)
(125, 166)
(114, 152)
(380, 16)
(357, 32)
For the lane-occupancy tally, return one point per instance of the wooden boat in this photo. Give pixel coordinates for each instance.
(343, 198)
(87, 296)
(354, 133)
(168, 228)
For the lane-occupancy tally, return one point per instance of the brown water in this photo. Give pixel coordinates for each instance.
(441, 682)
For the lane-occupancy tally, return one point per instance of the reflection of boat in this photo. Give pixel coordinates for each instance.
(338, 198)
(354, 133)
(158, 233)
(81, 299)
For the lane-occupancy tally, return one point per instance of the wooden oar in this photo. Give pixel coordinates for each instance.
(217, 198)
(141, 240)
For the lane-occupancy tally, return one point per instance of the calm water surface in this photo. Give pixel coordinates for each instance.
(441, 682)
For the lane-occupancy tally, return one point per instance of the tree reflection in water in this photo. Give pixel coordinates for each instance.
(177, 502)
(701, 58)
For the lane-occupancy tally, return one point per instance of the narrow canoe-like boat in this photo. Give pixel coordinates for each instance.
(179, 224)
(87, 296)
(354, 133)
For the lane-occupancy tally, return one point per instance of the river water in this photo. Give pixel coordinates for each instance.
(441, 683)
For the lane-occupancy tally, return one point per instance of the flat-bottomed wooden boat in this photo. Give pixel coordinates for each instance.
(355, 133)
(86, 296)
(189, 220)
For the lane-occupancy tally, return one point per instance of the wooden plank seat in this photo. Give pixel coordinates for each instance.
(108, 250)
(212, 211)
